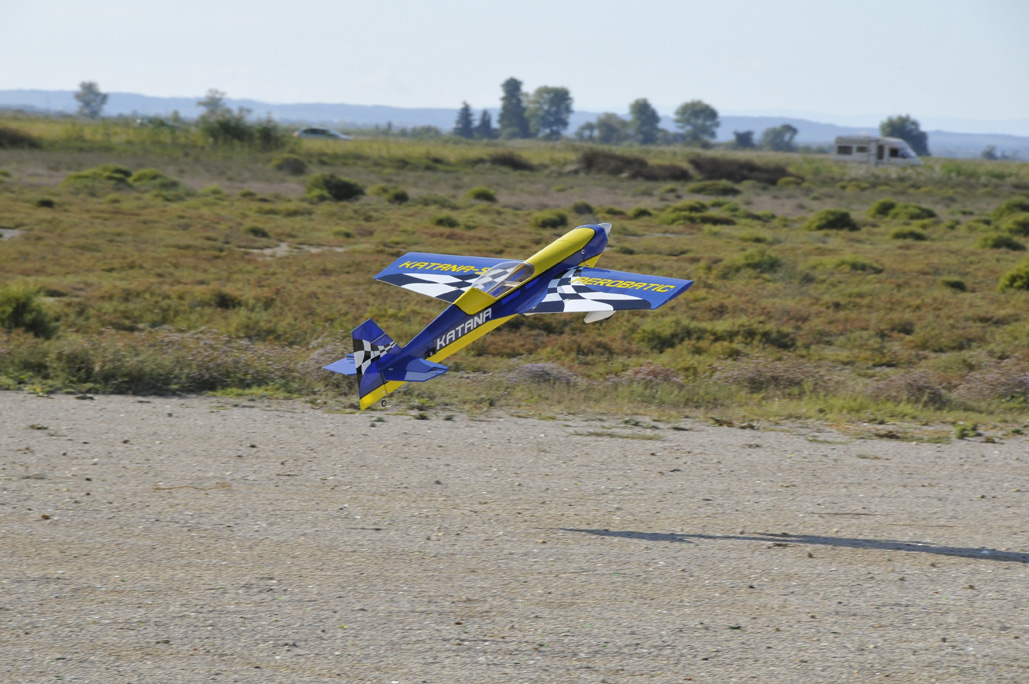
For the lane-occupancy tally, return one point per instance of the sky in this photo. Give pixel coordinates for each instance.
(849, 62)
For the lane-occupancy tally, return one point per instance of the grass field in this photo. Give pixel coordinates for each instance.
(146, 262)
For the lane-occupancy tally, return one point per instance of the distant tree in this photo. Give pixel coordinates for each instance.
(464, 127)
(91, 100)
(512, 121)
(779, 138)
(485, 129)
(548, 111)
(611, 129)
(586, 131)
(908, 130)
(643, 122)
(990, 152)
(213, 104)
(697, 120)
(744, 140)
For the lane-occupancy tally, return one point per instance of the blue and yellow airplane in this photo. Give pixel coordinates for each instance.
(485, 293)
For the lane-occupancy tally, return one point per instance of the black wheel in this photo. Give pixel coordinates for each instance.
(383, 403)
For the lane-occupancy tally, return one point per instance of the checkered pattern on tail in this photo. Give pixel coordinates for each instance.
(565, 296)
(366, 352)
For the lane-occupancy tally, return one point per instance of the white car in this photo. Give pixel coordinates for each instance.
(322, 133)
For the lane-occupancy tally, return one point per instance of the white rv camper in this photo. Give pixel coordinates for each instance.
(868, 149)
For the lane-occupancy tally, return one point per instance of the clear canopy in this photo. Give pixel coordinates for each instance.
(504, 277)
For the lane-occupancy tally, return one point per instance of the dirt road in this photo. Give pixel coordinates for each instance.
(202, 539)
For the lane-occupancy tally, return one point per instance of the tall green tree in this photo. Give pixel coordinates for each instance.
(213, 104)
(512, 121)
(697, 120)
(611, 129)
(484, 129)
(548, 111)
(908, 130)
(779, 138)
(586, 132)
(643, 122)
(743, 140)
(91, 100)
(464, 127)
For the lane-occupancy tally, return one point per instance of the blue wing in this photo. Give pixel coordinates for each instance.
(589, 289)
(443, 276)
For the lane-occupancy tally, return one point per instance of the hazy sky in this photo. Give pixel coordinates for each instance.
(930, 58)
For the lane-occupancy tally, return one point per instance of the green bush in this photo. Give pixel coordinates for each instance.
(717, 188)
(848, 262)
(329, 186)
(11, 138)
(582, 208)
(445, 221)
(759, 260)
(20, 308)
(1017, 224)
(481, 193)
(152, 179)
(550, 219)
(1017, 278)
(256, 231)
(291, 164)
(510, 160)
(831, 219)
(391, 193)
(882, 208)
(789, 182)
(1015, 205)
(956, 284)
(909, 234)
(738, 170)
(999, 241)
(46, 203)
(640, 212)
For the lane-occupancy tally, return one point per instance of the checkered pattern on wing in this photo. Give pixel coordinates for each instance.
(445, 287)
(561, 292)
(365, 353)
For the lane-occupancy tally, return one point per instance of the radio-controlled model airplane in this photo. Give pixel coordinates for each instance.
(485, 293)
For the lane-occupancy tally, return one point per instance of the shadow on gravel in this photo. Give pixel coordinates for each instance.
(786, 539)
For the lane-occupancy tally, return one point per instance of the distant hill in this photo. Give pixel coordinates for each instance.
(942, 143)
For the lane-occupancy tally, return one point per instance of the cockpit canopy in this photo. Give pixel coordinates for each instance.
(504, 277)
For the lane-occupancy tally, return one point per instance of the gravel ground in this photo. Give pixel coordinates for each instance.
(204, 539)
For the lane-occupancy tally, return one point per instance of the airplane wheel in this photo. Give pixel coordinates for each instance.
(383, 403)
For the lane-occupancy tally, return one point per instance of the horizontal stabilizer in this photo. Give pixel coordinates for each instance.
(413, 370)
(343, 366)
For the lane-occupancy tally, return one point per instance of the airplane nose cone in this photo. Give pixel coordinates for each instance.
(606, 227)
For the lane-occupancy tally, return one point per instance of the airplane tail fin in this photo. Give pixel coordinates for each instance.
(381, 365)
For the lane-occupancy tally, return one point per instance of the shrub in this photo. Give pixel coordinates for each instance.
(542, 374)
(1016, 224)
(789, 182)
(11, 138)
(718, 188)
(759, 260)
(481, 193)
(46, 203)
(1017, 278)
(550, 219)
(909, 234)
(662, 172)
(256, 231)
(1015, 205)
(783, 378)
(849, 262)
(445, 221)
(956, 284)
(20, 308)
(911, 212)
(914, 387)
(152, 179)
(1004, 381)
(582, 208)
(510, 160)
(640, 212)
(614, 164)
(882, 208)
(999, 241)
(99, 179)
(738, 170)
(831, 219)
(291, 164)
(329, 186)
(650, 373)
(391, 193)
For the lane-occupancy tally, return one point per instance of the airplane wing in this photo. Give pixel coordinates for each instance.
(590, 290)
(443, 276)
